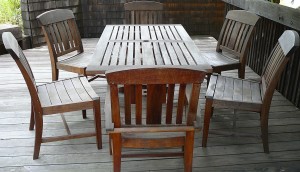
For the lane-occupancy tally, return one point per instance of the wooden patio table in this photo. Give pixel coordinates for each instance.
(136, 45)
(144, 45)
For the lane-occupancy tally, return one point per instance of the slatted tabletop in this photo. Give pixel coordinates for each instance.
(128, 45)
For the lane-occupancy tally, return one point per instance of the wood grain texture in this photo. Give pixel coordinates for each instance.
(147, 45)
(157, 119)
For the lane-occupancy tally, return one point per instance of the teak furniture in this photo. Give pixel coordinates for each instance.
(57, 97)
(233, 43)
(225, 92)
(160, 125)
(64, 42)
(144, 45)
(143, 12)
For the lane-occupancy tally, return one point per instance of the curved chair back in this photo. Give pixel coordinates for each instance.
(287, 44)
(13, 48)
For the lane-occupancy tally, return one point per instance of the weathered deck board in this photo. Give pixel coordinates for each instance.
(228, 149)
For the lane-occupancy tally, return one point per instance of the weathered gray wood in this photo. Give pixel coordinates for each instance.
(152, 45)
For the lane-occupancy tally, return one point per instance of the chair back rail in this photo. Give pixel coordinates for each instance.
(61, 32)
(143, 12)
(156, 80)
(234, 36)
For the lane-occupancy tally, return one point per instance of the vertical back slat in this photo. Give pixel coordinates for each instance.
(239, 41)
(170, 99)
(228, 33)
(139, 105)
(115, 110)
(63, 35)
(234, 36)
(54, 37)
(127, 103)
(154, 104)
(69, 35)
(75, 34)
(221, 36)
(245, 38)
(58, 38)
(193, 104)
(181, 101)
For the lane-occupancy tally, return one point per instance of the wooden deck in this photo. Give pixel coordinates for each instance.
(228, 149)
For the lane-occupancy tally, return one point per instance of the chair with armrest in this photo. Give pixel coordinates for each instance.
(143, 12)
(239, 94)
(64, 42)
(233, 43)
(67, 95)
(159, 125)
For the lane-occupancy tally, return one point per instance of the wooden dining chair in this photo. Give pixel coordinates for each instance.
(159, 125)
(143, 12)
(67, 95)
(64, 42)
(233, 43)
(239, 94)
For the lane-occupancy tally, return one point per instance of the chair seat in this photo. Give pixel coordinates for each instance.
(76, 63)
(66, 95)
(221, 60)
(234, 93)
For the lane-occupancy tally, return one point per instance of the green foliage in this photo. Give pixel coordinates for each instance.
(10, 12)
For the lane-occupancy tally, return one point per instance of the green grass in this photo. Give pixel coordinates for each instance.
(10, 12)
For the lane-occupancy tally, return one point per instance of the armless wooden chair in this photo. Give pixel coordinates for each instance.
(233, 43)
(143, 12)
(63, 38)
(57, 97)
(158, 127)
(226, 92)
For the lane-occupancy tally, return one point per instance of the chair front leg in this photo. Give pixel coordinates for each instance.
(207, 116)
(116, 149)
(97, 121)
(38, 135)
(188, 151)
